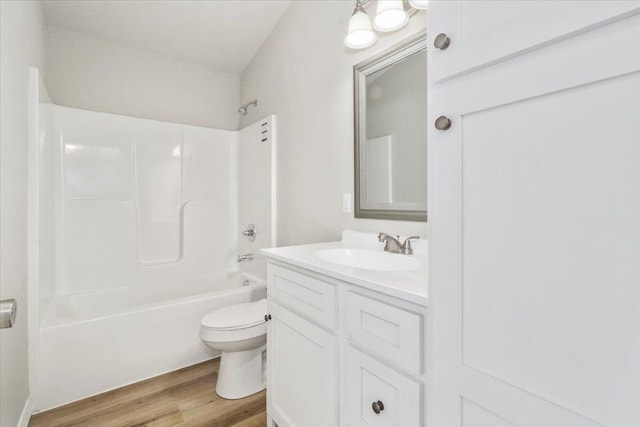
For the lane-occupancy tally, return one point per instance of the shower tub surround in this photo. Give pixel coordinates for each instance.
(133, 234)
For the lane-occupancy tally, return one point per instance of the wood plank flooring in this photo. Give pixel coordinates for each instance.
(185, 397)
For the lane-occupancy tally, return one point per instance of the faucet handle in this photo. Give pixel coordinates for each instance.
(250, 232)
(406, 246)
(382, 236)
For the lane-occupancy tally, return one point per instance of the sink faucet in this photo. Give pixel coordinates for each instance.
(393, 245)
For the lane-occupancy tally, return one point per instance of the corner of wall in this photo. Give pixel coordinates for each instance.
(27, 411)
(22, 46)
(303, 74)
(91, 73)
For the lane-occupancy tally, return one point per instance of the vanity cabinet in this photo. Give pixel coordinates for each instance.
(302, 370)
(340, 354)
(382, 362)
(482, 33)
(378, 395)
(302, 349)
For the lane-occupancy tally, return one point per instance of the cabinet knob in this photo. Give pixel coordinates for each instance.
(441, 41)
(267, 317)
(443, 123)
(377, 406)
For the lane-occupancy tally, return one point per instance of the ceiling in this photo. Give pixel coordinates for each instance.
(221, 34)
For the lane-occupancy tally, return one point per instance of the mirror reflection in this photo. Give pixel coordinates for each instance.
(391, 135)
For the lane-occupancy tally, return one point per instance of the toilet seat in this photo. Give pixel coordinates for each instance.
(240, 332)
(237, 316)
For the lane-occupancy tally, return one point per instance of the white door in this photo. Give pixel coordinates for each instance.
(534, 215)
(302, 374)
(483, 32)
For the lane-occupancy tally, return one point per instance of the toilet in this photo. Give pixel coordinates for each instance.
(240, 332)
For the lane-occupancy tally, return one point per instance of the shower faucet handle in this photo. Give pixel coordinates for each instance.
(250, 232)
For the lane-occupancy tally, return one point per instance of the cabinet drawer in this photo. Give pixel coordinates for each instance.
(303, 294)
(390, 332)
(369, 381)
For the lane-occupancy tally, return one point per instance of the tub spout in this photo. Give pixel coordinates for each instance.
(245, 257)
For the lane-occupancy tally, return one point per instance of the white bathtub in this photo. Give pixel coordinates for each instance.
(95, 342)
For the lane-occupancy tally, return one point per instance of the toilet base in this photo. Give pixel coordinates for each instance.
(241, 373)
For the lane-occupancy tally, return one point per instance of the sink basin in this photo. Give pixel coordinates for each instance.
(369, 259)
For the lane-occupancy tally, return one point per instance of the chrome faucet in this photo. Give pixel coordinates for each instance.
(245, 257)
(393, 245)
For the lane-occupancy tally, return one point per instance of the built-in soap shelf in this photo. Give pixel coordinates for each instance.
(265, 130)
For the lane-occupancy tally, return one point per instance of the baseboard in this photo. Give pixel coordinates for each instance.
(181, 366)
(25, 417)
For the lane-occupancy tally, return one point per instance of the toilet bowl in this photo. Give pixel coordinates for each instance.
(240, 332)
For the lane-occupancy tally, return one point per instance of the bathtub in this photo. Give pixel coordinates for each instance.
(94, 342)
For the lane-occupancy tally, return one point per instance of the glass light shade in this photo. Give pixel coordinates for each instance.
(390, 16)
(360, 33)
(418, 4)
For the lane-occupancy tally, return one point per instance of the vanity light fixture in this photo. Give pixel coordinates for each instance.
(391, 15)
(360, 34)
(419, 4)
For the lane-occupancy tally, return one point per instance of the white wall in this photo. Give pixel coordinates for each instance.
(98, 75)
(22, 44)
(303, 74)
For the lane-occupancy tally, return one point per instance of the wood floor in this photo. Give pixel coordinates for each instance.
(185, 397)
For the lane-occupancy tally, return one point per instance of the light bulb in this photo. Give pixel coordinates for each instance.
(390, 16)
(360, 34)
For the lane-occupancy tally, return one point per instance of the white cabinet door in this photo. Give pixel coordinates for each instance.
(534, 216)
(484, 32)
(378, 396)
(302, 374)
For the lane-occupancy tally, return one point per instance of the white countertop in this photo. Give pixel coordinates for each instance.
(410, 286)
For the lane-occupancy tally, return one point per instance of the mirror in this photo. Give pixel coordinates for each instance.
(390, 94)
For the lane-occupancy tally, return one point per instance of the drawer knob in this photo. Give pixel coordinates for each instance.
(377, 406)
(443, 123)
(267, 317)
(441, 41)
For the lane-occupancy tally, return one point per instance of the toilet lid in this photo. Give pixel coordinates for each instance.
(236, 316)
